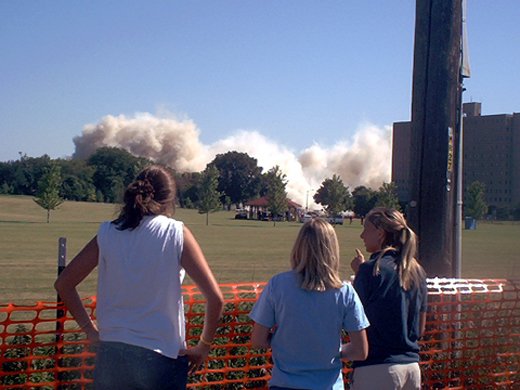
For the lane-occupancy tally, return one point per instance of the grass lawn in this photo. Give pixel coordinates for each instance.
(237, 250)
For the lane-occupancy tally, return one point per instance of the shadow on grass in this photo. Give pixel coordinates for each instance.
(255, 226)
(50, 223)
(24, 222)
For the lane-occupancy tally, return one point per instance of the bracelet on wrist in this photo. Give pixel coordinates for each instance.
(85, 324)
(205, 342)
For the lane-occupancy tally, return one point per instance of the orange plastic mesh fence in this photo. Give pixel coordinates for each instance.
(472, 340)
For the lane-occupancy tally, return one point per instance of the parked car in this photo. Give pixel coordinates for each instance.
(336, 220)
(277, 218)
(306, 218)
(241, 214)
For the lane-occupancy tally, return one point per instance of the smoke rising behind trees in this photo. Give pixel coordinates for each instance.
(365, 159)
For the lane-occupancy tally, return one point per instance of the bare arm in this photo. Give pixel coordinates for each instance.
(357, 348)
(73, 274)
(260, 336)
(195, 264)
(422, 323)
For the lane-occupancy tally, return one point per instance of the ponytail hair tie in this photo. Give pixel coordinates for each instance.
(144, 188)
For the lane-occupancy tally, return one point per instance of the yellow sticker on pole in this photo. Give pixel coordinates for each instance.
(450, 150)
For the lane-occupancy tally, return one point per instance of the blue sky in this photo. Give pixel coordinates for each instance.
(297, 72)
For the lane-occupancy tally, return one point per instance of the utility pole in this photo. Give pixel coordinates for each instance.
(435, 102)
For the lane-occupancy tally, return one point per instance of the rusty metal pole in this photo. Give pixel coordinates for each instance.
(60, 310)
(62, 262)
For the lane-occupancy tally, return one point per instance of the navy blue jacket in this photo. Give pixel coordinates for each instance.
(394, 314)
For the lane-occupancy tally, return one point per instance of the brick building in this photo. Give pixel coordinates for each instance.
(491, 156)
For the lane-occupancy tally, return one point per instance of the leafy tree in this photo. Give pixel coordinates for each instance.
(387, 196)
(334, 195)
(77, 181)
(118, 189)
(276, 182)
(364, 200)
(6, 186)
(475, 205)
(227, 202)
(209, 197)
(49, 190)
(239, 176)
(115, 168)
(21, 177)
(187, 188)
(73, 188)
(99, 196)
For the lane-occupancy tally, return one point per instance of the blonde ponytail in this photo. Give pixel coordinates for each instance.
(401, 238)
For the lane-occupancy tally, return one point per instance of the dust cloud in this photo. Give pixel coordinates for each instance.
(365, 159)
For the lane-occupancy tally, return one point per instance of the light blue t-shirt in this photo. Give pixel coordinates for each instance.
(307, 341)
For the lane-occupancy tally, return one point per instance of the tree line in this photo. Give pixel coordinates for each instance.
(230, 179)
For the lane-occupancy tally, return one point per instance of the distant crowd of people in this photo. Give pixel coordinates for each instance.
(301, 315)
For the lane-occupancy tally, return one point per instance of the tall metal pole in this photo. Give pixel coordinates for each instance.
(464, 71)
(457, 226)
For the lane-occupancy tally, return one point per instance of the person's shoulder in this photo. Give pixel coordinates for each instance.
(283, 276)
(174, 222)
(164, 220)
(388, 260)
(105, 226)
(368, 265)
(347, 289)
(106, 232)
(390, 255)
(283, 279)
(346, 285)
(423, 284)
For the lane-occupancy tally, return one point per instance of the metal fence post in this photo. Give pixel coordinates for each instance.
(60, 309)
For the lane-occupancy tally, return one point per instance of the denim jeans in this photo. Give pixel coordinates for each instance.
(124, 366)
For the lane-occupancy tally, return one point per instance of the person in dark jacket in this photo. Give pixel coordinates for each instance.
(392, 287)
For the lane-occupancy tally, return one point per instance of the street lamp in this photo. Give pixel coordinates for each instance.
(307, 200)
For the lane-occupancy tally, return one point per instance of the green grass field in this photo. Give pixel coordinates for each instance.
(237, 250)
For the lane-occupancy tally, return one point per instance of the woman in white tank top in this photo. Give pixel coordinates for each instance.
(141, 258)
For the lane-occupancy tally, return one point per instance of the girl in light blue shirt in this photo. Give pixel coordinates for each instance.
(302, 312)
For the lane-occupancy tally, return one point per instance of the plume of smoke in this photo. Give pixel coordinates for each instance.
(365, 160)
(167, 141)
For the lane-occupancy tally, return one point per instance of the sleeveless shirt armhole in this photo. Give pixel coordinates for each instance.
(179, 227)
(102, 232)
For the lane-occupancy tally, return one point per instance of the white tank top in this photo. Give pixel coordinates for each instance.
(139, 300)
